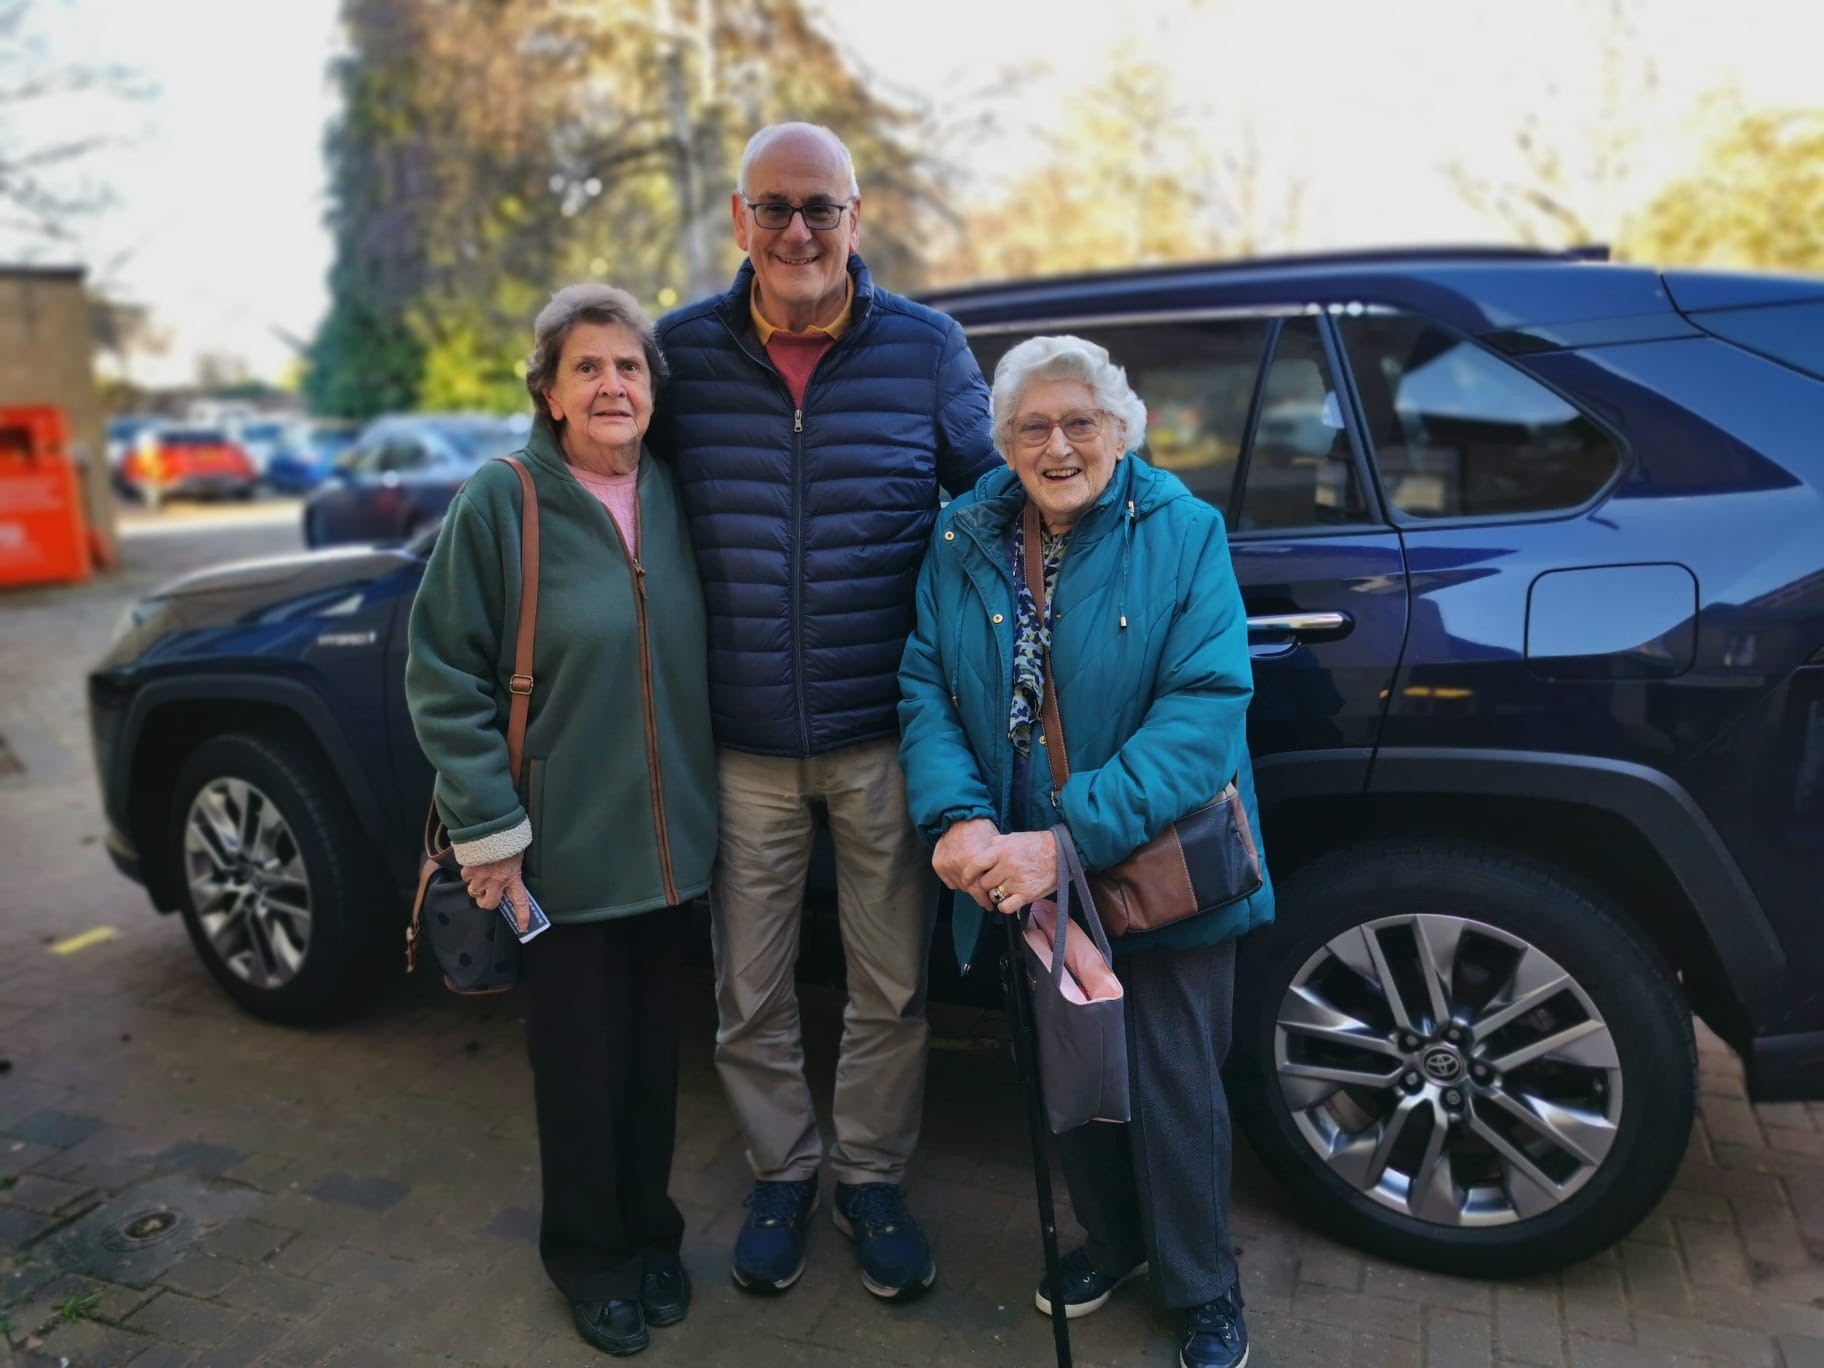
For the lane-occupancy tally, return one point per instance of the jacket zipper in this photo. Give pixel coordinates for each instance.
(804, 718)
(657, 784)
(804, 721)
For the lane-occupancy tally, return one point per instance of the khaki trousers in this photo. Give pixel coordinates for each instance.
(885, 906)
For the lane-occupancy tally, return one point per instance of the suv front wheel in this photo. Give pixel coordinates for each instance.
(1460, 1059)
(277, 895)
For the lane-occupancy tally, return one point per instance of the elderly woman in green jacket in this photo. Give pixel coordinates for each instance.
(1148, 641)
(612, 827)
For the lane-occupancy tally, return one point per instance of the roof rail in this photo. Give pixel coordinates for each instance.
(1366, 256)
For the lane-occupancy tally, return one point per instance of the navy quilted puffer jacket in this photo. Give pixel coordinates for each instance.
(810, 524)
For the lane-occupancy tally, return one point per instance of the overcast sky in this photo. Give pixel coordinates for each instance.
(218, 179)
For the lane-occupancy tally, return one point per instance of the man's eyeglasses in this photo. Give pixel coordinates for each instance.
(819, 216)
(1079, 428)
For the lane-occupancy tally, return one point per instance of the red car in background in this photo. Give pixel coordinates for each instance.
(189, 463)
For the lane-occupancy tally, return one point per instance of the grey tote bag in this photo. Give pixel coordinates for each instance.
(1078, 1005)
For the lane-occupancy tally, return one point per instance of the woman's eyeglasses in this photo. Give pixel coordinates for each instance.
(819, 216)
(1079, 428)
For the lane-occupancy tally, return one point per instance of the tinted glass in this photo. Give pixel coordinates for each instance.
(1790, 333)
(1458, 432)
(193, 437)
(1301, 471)
(1196, 380)
(402, 453)
(263, 432)
(481, 441)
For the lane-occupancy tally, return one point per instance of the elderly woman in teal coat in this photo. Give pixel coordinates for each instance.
(1148, 642)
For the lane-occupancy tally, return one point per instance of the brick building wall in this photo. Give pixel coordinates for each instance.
(47, 357)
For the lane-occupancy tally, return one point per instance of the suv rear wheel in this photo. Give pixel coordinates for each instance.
(1460, 1059)
(275, 892)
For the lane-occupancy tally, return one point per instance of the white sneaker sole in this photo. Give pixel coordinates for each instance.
(878, 1289)
(1043, 1302)
(1242, 1364)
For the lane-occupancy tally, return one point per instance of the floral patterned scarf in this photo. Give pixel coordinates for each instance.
(1031, 636)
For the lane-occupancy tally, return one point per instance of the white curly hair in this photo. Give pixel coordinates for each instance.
(1065, 358)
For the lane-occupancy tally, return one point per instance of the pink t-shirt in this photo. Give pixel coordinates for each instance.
(620, 496)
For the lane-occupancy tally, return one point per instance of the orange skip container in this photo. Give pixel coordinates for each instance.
(42, 537)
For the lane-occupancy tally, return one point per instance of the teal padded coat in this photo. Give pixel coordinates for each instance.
(1150, 654)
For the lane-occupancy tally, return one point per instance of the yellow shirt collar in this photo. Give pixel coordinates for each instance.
(833, 330)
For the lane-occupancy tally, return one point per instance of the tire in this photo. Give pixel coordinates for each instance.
(309, 970)
(1619, 1087)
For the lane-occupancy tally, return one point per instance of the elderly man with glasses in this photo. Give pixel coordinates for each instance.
(813, 418)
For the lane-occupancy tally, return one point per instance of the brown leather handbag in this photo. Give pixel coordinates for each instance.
(474, 946)
(1205, 860)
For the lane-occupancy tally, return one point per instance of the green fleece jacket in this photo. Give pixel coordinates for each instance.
(619, 668)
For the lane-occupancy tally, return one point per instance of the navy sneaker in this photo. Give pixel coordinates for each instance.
(1086, 1287)
(1215, 1336)
(895, 1255)
(769, 1252)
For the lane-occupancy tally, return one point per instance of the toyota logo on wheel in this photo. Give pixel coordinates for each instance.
(1442, 1064)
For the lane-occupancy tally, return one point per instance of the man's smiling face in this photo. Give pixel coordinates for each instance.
(799, 275)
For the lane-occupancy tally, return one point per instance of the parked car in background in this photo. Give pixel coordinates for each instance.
(1529, 547)
(263, 438)
(308, 453)
(401, 475)
(189, 463)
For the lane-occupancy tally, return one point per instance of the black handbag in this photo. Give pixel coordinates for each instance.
(476, 949)
(1205, 860)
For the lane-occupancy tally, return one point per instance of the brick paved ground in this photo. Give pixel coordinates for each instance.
(373, 1189)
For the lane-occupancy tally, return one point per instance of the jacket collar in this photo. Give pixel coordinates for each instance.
(734, 307)
(999, 497)
(547, 453)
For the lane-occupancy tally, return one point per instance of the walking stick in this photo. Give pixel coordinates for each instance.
(1026, 1058)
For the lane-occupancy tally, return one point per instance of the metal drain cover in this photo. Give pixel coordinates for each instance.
(136, 1237)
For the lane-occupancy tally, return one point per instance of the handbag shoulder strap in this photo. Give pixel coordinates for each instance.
(519, 685)
(1056, 755)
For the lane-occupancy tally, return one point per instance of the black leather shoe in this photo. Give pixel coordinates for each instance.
(1086, 1287)
(615, 1327)
(665, 1294)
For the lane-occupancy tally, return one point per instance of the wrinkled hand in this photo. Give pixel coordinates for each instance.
(963, 855)
(1023, 866)
(487, 882)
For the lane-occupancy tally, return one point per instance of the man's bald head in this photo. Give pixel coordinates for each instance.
(802, 141)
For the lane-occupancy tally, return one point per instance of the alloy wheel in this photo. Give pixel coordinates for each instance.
(1448, 1069)
(247, 882)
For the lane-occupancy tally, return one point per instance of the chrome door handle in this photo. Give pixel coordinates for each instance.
(1302, 624)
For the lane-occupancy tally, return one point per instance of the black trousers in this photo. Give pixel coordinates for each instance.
(1158, 1188)
(602, 1030)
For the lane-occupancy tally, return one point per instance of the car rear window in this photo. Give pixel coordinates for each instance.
(1792, 334)
(1458, 432)
(482, 441)
(194, 437)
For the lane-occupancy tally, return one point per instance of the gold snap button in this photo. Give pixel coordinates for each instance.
(998, 618)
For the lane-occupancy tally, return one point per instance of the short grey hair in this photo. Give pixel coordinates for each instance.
(769, 135)
(589, 302)
(1065, 358)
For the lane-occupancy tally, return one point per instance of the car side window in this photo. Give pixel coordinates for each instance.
(402, 453)
(1459, 432)
(1301, 468)
(1196, 379)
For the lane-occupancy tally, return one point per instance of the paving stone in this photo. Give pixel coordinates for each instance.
(19, 1226)
(1332, 1306)
(1602, 1353)
(1457, 1339)
(17, 1156)
(57, 1129)
(1527, 1327)
(1330, 1265)
(247, 1242)
(94, 1345)
(369, 1194)
(1652, 1330)
(48, 1195)
(1802, 1351)
(515, 1223)
(1434, 1289)
(198, 1275)
(304, 1256)
(173, 1316)
(245, 1344)
(1595, 1300)
(1369, 1351)
(1655, 1278)
(1770, 1235)
(193, 1156)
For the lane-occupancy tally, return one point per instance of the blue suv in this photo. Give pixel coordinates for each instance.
(1531, 550)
